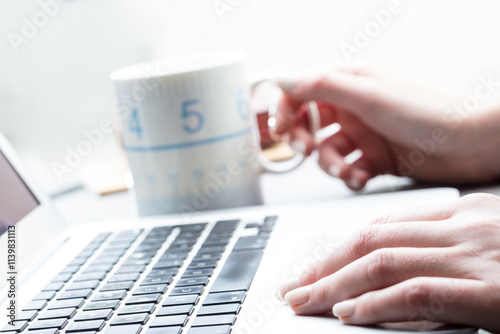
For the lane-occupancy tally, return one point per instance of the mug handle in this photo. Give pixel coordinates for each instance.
(299, 157)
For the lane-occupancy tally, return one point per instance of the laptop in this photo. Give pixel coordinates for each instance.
(211, 272)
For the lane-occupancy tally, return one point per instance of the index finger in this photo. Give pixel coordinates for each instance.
(371, 238)
(339, 89)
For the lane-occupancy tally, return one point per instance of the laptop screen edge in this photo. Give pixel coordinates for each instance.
(35, 233)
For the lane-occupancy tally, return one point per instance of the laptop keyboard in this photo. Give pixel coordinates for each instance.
(151, 282)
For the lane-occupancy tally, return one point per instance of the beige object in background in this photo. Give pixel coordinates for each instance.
(278, 152)
(106, 177)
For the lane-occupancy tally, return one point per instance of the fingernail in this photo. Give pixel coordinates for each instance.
(286, 286)
(344, 309)
(298, 296)
(334, 171)
(298, 146)
(354, 184)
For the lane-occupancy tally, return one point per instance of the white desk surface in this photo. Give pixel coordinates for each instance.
(305, 184)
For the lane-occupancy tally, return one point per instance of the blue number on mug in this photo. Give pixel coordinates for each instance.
(134, 124)
(189, 112)
(242, 104)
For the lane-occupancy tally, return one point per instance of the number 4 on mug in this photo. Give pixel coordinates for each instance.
(134, 124)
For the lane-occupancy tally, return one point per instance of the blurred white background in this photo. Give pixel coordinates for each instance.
(54, 77)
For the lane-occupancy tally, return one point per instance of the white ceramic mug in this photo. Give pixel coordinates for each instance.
(189, 136)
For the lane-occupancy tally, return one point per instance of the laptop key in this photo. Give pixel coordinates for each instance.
(52, 323)
(197, 272)
(181, 300)
(36, 305)
(212, 249)
(131, 269)
(66, 303)
(79, 260)
(168, 264)
(210, 330)
(213, 320)
(142, 255)
(153, 280)
(188, 290)
(83, 285)
(19, 326)
(80, 326)
(163, 272)
(225, 297)
(124, 329)
(62, 277)
(142, 299)
(136, 262)
(99, 275)
(54, 286)
(111, 304)
(109, 295)
(108, 259)
(99, 267)
(248, 243)
(207, 257)
(226, 225)
(71, 268)
(117, 286)
(176, 310)
(202, 265)
(45, 331)
(173, 256)
(26, 315)
(104, 314)
(67, 313)
(173, 320)
(84, 293)
(238, 271)
(211, 243)
(164, 330)
(219, 309)
(139, 308)
(147, 289)
(124, 277)
(203, 280)
(45, 295)
(139, 318)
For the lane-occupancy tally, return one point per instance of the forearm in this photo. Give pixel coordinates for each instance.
(485, 143)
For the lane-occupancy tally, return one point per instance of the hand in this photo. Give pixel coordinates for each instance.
(401, 129)
(438, 264)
